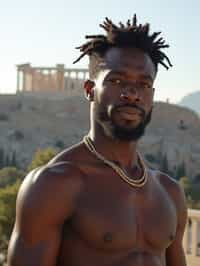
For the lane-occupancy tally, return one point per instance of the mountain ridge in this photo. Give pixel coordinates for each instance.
(191, 101)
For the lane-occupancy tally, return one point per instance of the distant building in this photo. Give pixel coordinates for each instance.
(49, 79)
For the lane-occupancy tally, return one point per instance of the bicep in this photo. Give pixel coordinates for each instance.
(42, 252)
(175, 253)
(36, 234)
(43, 204)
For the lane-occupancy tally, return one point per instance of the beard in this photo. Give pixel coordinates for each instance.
(122, 132)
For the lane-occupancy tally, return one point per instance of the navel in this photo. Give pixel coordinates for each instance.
(108, 237)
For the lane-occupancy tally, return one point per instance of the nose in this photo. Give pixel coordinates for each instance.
(130, 96)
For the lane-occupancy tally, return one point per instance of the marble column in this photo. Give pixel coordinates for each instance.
(76, 75)
(60, 77)
(186, 238)
(18, 80)
(49, 80)
(84, 75)
(23, 80)
(33, 80)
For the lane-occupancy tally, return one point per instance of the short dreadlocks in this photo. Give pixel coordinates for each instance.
(129, 35)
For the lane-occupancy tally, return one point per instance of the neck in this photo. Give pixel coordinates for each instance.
(122, 152)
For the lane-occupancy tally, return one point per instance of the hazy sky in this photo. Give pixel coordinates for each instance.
(45, 32)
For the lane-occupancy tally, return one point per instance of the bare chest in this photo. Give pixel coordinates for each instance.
(116, 216)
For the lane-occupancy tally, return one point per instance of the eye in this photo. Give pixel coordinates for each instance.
(115, 81)
(118, 81)
(145, 86)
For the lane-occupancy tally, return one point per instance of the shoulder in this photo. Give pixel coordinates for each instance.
(73, 154)
(174, 190)
(50, 193)
(77, 155)
(55, 176)
(171, 185)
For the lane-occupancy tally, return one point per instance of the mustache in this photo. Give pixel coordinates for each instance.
(135, 106)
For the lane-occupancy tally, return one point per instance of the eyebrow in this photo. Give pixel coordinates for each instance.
(124, 74)
(147, 77)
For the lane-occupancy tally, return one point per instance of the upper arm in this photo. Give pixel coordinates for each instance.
(47, 197)
(175, 254)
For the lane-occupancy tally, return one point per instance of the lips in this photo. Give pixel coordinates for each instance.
(129, 110)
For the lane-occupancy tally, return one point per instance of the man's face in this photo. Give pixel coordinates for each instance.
(123, 93)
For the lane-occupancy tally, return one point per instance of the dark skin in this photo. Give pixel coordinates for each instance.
(76, 211)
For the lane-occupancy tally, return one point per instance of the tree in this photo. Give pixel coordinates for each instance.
(180, 171)
(7, 161)
(164, 164)
(150, 158)
(8, 197)
(9, 175)
(2, 159)
(13, 160)
(186, 184)
(192, 192)
(60, 144)
(195, 192)
(197, 178)
(42, 157)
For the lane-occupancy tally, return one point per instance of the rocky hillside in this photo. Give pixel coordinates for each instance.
(29, 123)
(192, 101)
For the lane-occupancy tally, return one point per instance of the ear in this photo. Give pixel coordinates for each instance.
(89, 89)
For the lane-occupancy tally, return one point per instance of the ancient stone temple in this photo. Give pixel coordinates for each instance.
(49, 79)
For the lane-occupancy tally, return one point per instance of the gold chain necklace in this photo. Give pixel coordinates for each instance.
(135, 183)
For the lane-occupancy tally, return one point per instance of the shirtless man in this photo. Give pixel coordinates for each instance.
(97, 203)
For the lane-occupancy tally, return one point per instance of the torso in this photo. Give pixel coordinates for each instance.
(116, 224)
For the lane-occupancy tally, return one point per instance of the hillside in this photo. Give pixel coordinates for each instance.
(29, 123)
(192, 101)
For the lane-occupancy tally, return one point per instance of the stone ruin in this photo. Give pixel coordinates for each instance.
(33, 80)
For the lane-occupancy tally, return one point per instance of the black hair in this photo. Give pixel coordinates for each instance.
(129, 35)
